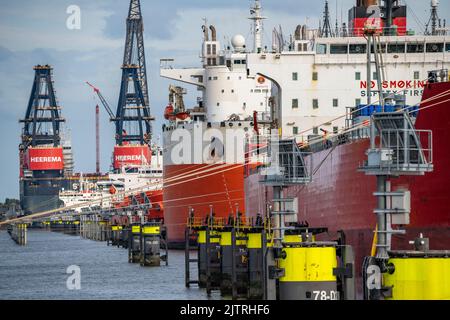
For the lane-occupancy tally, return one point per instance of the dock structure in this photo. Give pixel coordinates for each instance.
(94, 227)
(228, 253)
(144, 238)
(259, 258)
(153, 239)
(66, 225)
(18, 233)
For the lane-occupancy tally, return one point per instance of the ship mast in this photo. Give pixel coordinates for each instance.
(326, 32)
(435, 22)
(257, 18)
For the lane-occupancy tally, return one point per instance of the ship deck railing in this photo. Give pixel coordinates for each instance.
(242, 223)
(403, 151)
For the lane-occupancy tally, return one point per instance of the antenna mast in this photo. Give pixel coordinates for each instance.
(326, 32)
(257, 18)
(435, 21)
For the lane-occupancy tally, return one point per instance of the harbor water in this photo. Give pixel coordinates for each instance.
(38, 271)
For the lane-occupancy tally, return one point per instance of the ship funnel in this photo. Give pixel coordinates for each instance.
(213, 33)
(298, 32)
(301, 32)
(205, 32)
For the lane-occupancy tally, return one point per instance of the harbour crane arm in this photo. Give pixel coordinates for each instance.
(102, 100)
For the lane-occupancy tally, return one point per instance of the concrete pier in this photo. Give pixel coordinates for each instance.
(18, 233)
(94, 227)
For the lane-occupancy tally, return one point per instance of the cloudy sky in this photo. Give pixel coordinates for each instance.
(34, 32)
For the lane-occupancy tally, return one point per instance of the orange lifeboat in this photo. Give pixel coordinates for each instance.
(182, 115)
(168, 113)
(112, 190)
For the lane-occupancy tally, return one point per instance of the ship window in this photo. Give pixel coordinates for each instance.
(257, 90)
(294, 76)
(315, 130)
(294, 130)
(447, 47)
(209, 78)
(435, 47)
(229, 63)
(237, 61)
(416, 75)
(396, 48)
(375, 76)
(414, 47)
(215, 78)
(294, 103)
(315, 76)
(338, 49)
(208, 49)
(321, 48)
(244, 61)
(357, 75)
(232, 90)
(335, 130)
(335, 103)
(357, 48)
(357, 102)
(383, 48)
(223, 91)
(218, 104)
(315, 103)
(214, 49)
(228, 78)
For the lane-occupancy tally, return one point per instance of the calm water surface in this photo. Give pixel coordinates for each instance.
(38, 271)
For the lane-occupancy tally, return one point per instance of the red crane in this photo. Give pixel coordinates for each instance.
(102, 100)
(97, 139)
(97, 124)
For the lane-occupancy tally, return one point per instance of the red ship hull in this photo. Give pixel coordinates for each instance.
(199, 187)
(341, 198)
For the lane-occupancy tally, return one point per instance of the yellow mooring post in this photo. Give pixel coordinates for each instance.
(421, 274)
(308, 270)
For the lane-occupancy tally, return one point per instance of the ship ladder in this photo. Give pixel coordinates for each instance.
(189, 236)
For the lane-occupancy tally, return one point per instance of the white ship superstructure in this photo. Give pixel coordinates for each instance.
(135, 177)
(85, 192)
(320, 77)
(138, 178)
(230, 100)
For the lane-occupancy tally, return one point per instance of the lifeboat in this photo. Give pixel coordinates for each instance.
(182, 115)
(169, 113)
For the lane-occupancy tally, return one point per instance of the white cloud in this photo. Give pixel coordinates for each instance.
(45, 28)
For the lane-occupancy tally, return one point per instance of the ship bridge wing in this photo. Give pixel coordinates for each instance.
(194, 76)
